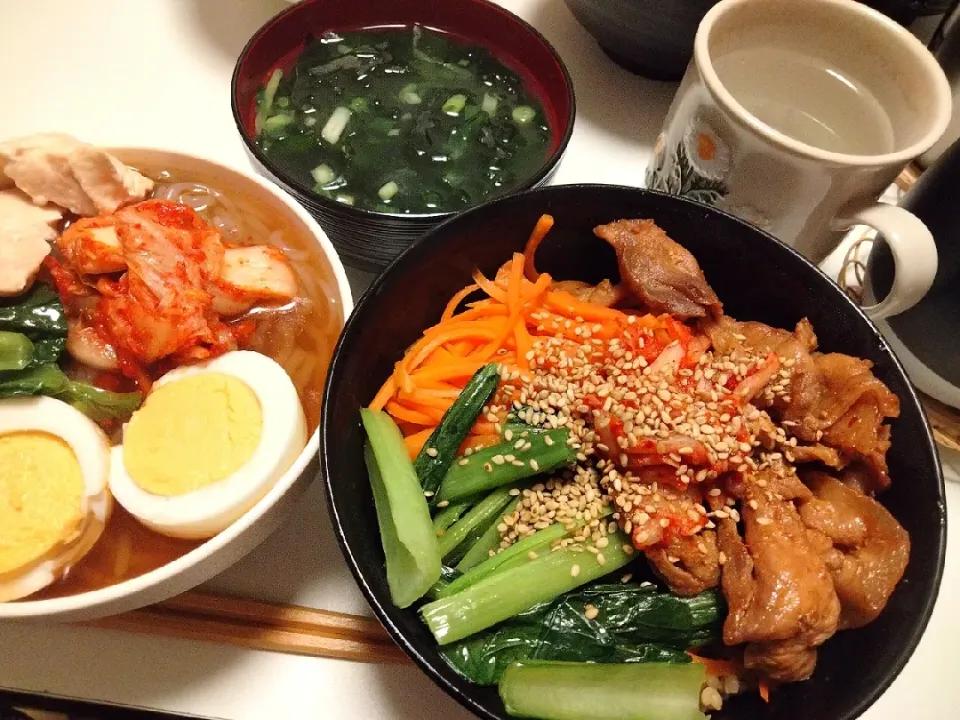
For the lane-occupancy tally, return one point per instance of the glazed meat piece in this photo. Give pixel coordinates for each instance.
(689, 565)
(25, 234)
(735, 338)
(835, 403)
(605, 293)
(664, 276)
(814, 453)
(847, 412)
(869, 550)
(779, 592)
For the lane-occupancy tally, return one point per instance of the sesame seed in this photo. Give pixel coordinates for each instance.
(488, 467)
(534, 465)
(626, 578)
(463, 461)
(532, 555)
(574, 570)
(508, 435)
(547, 440)
(764, 521)
(498, 459)
(443, 503)
(601, 560)
(428, 493)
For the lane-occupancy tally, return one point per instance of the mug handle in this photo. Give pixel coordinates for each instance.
(914, 257)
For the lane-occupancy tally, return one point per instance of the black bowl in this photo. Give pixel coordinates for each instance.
(757, 278)
(367, 239)
(647, 37)
(654, 38)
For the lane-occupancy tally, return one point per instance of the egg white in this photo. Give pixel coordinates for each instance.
(92, 450)
(204, 512)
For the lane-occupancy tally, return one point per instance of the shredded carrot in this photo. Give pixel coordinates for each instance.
(540, 231)
(401, 412)
(416, 441)
(763, 687)
(490, 287)
(384, 394)
(456, 300)
(719, 668)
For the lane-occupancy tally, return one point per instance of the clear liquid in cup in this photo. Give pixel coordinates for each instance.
(805, 98)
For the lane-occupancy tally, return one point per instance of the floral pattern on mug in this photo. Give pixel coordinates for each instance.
(694, 168)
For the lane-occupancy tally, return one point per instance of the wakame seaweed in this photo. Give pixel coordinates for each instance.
(404, 120)
(633, 623)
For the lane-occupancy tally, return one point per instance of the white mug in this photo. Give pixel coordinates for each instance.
(796, 115)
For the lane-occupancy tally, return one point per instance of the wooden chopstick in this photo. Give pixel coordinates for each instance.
(261, 626)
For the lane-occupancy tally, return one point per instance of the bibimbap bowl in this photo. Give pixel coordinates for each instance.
(757, 278)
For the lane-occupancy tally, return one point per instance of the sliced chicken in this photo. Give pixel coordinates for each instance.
(25, 234)
(107, 182)
(870, 549)
(663, 275)
(250, 275)
(59, 169)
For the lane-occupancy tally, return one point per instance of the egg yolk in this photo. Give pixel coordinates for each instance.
(41, 497)
(191, 433)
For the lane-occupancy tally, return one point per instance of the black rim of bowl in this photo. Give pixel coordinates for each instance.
(425, 245)
(298, 189)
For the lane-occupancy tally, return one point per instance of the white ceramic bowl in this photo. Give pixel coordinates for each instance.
(226, 548)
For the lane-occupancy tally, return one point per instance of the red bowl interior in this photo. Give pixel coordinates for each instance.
(510, 39)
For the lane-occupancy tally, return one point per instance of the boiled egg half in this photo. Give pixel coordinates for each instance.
(54, 497)
(209, 441)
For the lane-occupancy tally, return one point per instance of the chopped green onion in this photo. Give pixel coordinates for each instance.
(310, 121)
(283, 102)
(409, 95)
(489, 104)
(336, 125)
(523, 114)
(388, 190)
(276, 122)
(345, 199)
(359, 104)
(454, 104)
(322, 174)
(393, 132)
(268, 94)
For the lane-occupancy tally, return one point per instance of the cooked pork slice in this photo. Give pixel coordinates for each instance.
(814, 453)
(870, 548)
(107, 181)
(664, 276)
(605, 293)
(59, 169)
(782, 660)
(777, 585)
(689, 565)
(259, 273)
(25, 234)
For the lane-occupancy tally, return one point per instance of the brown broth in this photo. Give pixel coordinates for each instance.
(300, 337)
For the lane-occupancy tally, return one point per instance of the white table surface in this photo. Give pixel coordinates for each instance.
(157, 72)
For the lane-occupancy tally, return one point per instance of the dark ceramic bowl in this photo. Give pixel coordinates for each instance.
(648, 37)
(655, 38)
(757, 278)
(367, 239)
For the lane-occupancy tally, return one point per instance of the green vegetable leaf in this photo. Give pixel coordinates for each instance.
(38, 315)
(634, 623)
(99, 405)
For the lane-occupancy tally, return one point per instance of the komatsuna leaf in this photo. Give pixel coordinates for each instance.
(634, 623)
